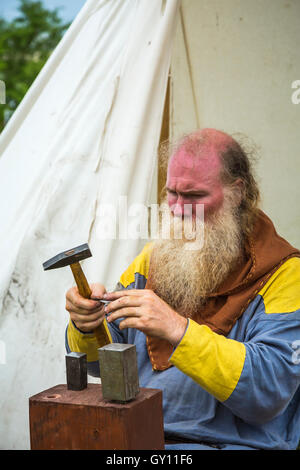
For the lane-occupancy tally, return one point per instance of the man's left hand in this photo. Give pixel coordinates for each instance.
(144, 310)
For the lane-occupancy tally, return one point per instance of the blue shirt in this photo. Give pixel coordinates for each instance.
(235, 392)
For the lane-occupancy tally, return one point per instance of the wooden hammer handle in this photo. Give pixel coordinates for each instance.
(85, 291)
(82, 284)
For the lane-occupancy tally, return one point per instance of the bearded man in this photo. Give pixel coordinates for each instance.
(215, 318)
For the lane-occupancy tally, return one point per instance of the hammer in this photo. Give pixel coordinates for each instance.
(72, 258)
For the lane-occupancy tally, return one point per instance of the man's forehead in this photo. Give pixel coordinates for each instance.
(202, 149)
(206, 161)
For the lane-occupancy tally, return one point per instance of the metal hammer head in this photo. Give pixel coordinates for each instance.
(68, 257)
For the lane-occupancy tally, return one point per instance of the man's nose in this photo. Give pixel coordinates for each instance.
(182, 208)
(177, 210)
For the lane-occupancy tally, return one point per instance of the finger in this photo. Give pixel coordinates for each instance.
(70, 307)
(98, 290)
(77, 317)
(130, 322)
(89, 327)
(75, 299)
(124, 301)
(123, 312)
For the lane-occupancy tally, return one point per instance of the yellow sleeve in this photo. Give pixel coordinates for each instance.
(213, 361)
(139, 267)
(85, 342)
(216, 362)
(281, 293)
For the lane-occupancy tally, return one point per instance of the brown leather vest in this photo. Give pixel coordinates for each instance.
(266, 251)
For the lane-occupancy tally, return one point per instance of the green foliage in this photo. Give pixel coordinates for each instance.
(25, 45)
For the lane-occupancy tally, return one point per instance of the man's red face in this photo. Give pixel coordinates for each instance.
(192, 180)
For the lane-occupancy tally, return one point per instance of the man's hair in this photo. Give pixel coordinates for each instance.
(237, 163)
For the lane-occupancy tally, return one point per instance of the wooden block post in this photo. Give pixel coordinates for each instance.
(63, 419)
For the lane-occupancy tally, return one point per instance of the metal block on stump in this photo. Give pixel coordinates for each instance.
(118, 371)
(76, 370)
(63, 419)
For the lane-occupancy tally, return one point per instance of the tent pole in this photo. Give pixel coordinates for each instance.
(164, 136)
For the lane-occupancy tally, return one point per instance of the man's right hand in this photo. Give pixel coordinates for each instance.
(87, 314)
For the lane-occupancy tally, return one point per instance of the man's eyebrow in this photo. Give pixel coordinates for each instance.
(196, 192)
(190, 192)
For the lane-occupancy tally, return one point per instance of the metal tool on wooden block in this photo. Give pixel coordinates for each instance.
(119, 373)
(72, 258)
(76, 369)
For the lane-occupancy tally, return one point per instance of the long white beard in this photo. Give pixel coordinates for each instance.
(184, 277)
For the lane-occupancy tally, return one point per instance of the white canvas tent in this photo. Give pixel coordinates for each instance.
(85, 134)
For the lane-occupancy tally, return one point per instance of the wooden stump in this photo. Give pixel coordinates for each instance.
(65, 419)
